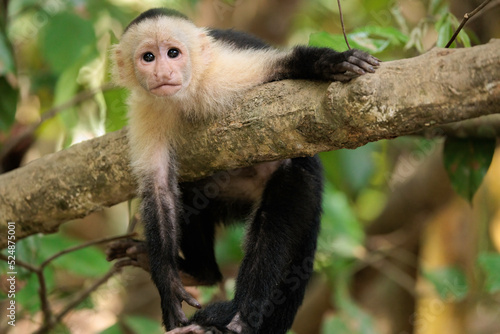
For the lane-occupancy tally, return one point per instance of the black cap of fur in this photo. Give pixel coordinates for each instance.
(156, 12)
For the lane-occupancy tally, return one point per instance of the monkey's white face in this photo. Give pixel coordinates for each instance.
(162, 67)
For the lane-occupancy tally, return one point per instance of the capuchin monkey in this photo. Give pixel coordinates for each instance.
(178, 73)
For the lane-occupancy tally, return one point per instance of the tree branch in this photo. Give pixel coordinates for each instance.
(275, 121)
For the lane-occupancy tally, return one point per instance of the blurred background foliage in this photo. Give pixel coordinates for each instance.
(411, 227)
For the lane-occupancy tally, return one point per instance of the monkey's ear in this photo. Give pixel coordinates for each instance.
(120, 70)
(205, 47)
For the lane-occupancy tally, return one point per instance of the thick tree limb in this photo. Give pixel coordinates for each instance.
(274, 121)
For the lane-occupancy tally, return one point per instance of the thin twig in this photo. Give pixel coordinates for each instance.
(42, 291)
(466, 18)
(20, 263)
(49, 325)
(44, 299)
(342, 23)
(133, 222)
(395, 274)
(87, 244)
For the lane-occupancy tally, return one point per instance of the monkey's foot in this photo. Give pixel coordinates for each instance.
(196, 329)
(172, 296)
(134, 251)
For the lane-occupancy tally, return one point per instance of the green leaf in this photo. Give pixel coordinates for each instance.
(335, 324)
(116, 113)
(490, 264)
(340, 219)
(60, 328)
(445, 32)
(464, 39)
(207, 293)
(27, 297)
(342, 235)
(449, 282)
(435, 6)
(115, 329)
(395, 36)
(326, 40)
(370, 203)
(65, 39)
(364, 41)
(26, 250)
(228, 246)
(466, 162)
(370, 38)
(351, 171)
(446, 27)
(141, 325)
(16, 7)
(66, 88)
(353, 319)
(8, 104)
(87, 262)
(6, 57)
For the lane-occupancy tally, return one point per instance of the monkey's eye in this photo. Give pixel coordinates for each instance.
(148, 57)
(173, 53)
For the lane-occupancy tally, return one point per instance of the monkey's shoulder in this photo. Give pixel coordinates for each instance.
(238, 39)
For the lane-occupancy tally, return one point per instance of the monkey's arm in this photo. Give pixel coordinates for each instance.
(159, 209)
(313, 63)
(154, 165)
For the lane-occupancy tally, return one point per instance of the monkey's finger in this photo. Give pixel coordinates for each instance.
(191, 300)
(366, 57)
(347, 66)
(361, 64)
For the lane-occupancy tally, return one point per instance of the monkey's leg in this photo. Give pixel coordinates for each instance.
(280, 249)
(198, 257)
(197, 220)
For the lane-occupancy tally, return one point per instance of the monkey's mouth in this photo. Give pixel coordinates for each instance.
(166, 89)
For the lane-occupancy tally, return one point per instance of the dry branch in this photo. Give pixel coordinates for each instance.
(274, 121)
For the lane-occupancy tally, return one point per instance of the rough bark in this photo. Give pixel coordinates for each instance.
(275, 121)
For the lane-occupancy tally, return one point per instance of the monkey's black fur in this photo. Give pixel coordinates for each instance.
(155, 12)
(239, 39)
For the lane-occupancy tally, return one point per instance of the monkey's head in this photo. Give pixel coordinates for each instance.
(159, 52)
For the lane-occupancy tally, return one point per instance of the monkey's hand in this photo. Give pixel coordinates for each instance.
(351, 64)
